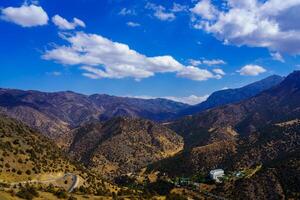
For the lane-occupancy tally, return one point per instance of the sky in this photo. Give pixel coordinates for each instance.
(178, 49)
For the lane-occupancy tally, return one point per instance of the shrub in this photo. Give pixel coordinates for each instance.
(161, 187)
(27, 192)
(175, 197)
(72, 198)
(61, 194)
(50, 189)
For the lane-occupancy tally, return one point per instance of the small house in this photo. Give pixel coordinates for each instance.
(216, 174)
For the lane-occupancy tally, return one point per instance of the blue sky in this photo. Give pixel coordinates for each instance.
(183, 49)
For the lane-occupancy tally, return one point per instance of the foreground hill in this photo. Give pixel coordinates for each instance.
(55, 114)
(26, 155)
(229, 96)
(123, 145)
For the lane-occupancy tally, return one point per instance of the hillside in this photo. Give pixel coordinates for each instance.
(26, 155)
(55, 114)
(229, 96)
(123, 145)
(279, 103)
(267, 160)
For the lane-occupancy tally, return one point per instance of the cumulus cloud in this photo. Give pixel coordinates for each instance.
(196, 74)
(64, 24)
(251, 70)
(195, 62)
(160, 12)
(207, 62)
(133, 24)
(100, 57)
(25, 16)
(205, 9)
(214, 62)
(191, 100)
(179, 8)
(219, 71)
(273, 24)
(277, 56)
(126, 11)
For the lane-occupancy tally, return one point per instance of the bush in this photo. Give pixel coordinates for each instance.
(160, 187)
(72, 198)
(175, 197)
(27, 192)
(50, 189)
(61, 194)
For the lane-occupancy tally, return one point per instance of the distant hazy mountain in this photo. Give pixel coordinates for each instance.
(227, 96)
(55, 114)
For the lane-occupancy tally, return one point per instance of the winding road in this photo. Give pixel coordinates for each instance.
(74, 184)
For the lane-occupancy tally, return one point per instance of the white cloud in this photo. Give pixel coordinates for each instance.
(219, 71)
(207, 62)
(195, 62)
(191, 100)
(251, 70)
(273, 24)
(213, 62)
(179, 8)
(160, 12)
(277, 56)
(126, 11)
(25, 16)
(100, 58)
(205, 9)
(64, 24)
(133, 24)
(197, 74)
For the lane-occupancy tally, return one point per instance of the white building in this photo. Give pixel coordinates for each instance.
(216, 174)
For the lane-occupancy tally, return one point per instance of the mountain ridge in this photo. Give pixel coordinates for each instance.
(227, 96)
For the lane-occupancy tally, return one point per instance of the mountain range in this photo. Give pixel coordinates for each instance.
(56, 114)
(253, 130)
(226, 96)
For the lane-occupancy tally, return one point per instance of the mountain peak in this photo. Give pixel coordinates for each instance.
(294, 77)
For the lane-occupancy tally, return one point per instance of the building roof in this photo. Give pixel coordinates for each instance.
(216, 171)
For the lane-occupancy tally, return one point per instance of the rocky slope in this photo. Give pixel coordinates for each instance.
(55, 114)
(256, 131)
(229, 96)
(123, 145)
(276, 104)
(25, 152)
